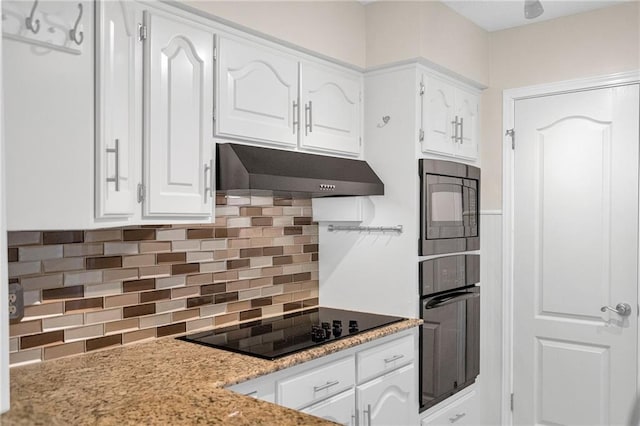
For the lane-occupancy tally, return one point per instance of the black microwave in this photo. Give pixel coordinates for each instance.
(449, 207)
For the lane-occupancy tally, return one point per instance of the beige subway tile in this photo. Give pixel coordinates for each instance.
(41, 282)
(261, 282)
(244, 305)
(249, 273)
(14, 344)
(301, 258)
(254, 232)
(272, 290)
(310, 285)
(307, 212)
(220, 222)
(186, 245)
(292, 211)
(302, 239)
(17, 269)
(30, 356)
(272, 310)
(104, 289)
(120, 248)
(83, 333)
(155, 320)
(103, 316)
(25, 327)
(121, 326)
(75, 250)
(31, 253)
(155, 271)
(199, 256)
(284, 241)
(301, 295)
(212, 310)
(171, 282)
(185, 292)
(233, 200)
(120, 274)
(140, 260)
(227, 211)
(199, 279)
(225, 276)
(77, 278)
(310, 230)
(283, 221)
(272, 211)
(32, 297)
(282, 298)
(239, 243)
(272, 271)
(239, 285)
(213, 267)
(213, 244)
(65, 264)
(261, 200)
(22, 238)
(43, 310)
(226, 254)
(155, 247)
(64, 321)
(295, 249)
(260, 262)
(249, 294)
(67, 349)
(179, 316)
(227, 319)
(310, 267)
(171, 305)
(273, 232)
(138, 336)
(292, 287)
(200, 324)
(102, 235)
(171, 234)
(291, 269)
(121, 300)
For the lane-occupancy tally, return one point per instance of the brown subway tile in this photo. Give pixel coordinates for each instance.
(304, 276)
(272, 211)
(261, 282)
(62, 237)
(138, 234)
(199, 279)
(247, 315)
(42, 282)
(12, 256)
(139, 285)
(291, 306)
(243, 305)
(238, 263)
(292, 287)
(192, 302)
(139, 260)
(103, 342)
(121, 326)
(219, 233)
(213, 288)
(293, 230)
(226, 297)
(103, 235)
(185, 268)
(137, 336)
(238, 285)
(67, 349)
(302, 221)
(103, 262)
(168, 330)
(250, 211)
(314, 257)
(282, 260)
(262, 221)
(251, 252)
(273, 251)
(155, 247)
(152, 296)
(282, 279)
(172, 257)
(185, 315)
(310, 248)
(23, 238)
(83, 304)
(225, 319)
(63, 293)
(200, 233)
(42, 339)
(25, 327)
(233, 232)
(138, 310)
(261, 301)
(310, 302)
(221, 199)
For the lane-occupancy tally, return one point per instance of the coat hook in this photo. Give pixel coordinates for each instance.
(74, 34)
(385, 120)
(33, 25)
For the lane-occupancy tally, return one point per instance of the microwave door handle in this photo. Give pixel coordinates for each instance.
(447, 299)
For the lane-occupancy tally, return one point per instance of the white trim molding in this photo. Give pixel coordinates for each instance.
(508, 104)
(4, 290)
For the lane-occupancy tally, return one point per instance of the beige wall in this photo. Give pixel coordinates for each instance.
(332, 28)
(595, 43)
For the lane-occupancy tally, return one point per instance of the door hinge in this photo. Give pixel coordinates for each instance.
(360, 139)
(512, 133)
(421, 135)
(214, 113)
(421, 89)
(215, 53)
(511, 402)
(141, 192)
(142, 32)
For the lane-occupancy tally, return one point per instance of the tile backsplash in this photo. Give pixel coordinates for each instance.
(93, 289)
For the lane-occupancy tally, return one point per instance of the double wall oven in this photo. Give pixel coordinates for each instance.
(449, 297)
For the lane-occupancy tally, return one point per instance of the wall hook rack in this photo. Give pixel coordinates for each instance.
(33, 24)
(397, 228)
(74, 34)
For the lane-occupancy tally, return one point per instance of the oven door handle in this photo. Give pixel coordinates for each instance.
(449, 298)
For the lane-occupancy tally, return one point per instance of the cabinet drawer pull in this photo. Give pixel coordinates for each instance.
(325, 386)
(456, 417)
(253, 394)
(393, 358)
(116, 151)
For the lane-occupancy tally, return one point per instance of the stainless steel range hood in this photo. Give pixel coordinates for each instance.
(243, 169)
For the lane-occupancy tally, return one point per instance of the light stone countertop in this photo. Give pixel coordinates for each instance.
(165, 381)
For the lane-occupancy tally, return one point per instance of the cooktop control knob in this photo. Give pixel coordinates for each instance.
(353, 326)
(337, 323)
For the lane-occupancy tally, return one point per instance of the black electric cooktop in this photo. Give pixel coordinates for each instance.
(274, 337)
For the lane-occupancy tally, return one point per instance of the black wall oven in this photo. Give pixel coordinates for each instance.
(450, 334)
(449, 207)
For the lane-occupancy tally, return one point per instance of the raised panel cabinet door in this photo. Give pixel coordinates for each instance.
(466, 110)
(118, 81)
(178, 149)
(340, 409)
(330, 109)
(257, 93)
(438, 117)
(389, 400)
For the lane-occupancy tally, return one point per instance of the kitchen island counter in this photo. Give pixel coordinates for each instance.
(164, 381)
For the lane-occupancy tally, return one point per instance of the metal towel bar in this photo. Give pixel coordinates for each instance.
(397, 228)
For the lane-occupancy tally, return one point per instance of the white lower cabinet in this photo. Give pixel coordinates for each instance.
(340, 408)
(261, 388)
(462, 411)
(389, 399)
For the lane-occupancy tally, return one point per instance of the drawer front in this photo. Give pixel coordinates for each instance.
(386, 357)
(263, 388)
(316, 384)
(461, 412)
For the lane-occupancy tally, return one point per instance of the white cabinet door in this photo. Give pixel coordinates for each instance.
(178, 148)
(330, 106)
(390, 400)
(463, 411)
(466, 109)
(118, 83)
(340, 409)
(257, 93)
(438, 117)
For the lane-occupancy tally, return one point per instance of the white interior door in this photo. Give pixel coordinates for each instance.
(575, 251)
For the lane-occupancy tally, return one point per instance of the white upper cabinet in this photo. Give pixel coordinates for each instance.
(449, 119)
(116, 121)
(178, 143)
(390, 399)
(257, 93)
(330, 105)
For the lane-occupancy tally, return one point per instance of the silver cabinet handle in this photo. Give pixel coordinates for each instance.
(252, 394)
(308, 115)
(296, 116)
(622, 309)
(208, 168)
(461, 131)
(116, 151)
(454, 127)
(393, 358)
(368, 412)
(325, 386)
(456, 417)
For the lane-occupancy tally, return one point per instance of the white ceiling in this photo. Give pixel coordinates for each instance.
(494, 15)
